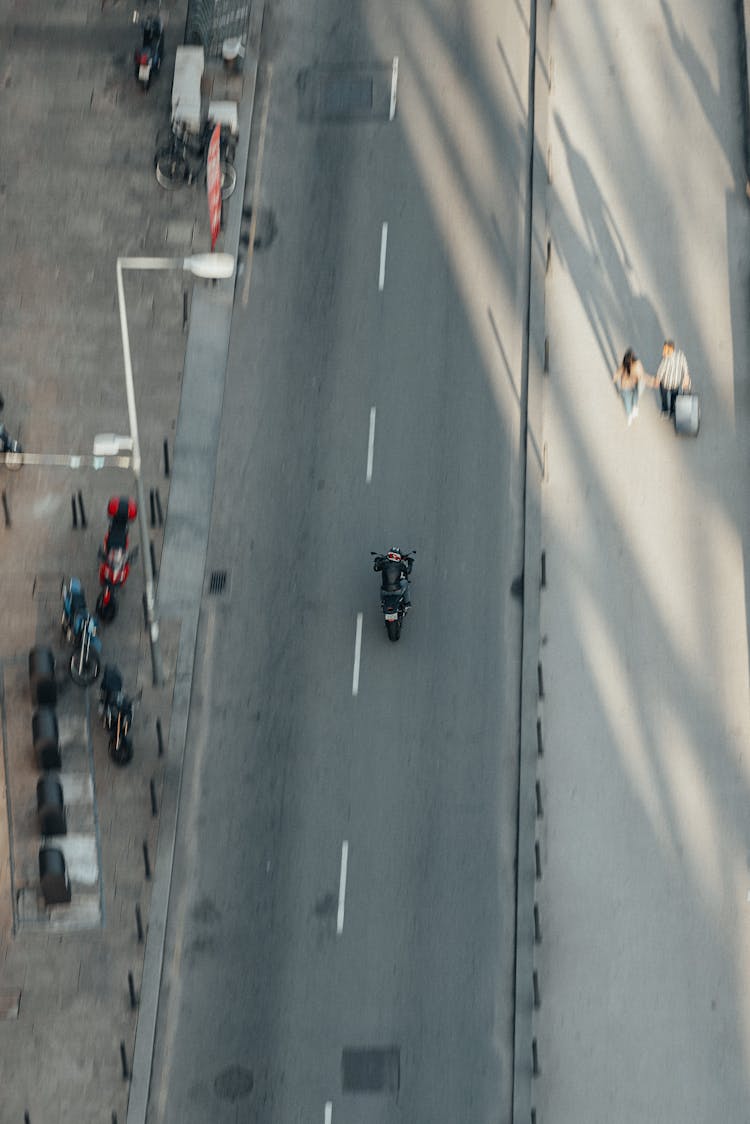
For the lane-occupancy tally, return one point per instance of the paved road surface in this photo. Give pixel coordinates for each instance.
(270, 970)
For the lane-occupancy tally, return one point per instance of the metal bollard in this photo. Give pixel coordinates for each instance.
(138, 923)
(537, 926)
(154, 804)
(75, 511)
(535, 985)
(539, 810)
(159, 738)
(540, 679)
(131, 991)
(539, 741)
(146, 862)
(166, 457)
(159, 512)
(152, 505)
(538, 860)
(544, 569)
(534, 1059)
(124, 1061)
(6, 510)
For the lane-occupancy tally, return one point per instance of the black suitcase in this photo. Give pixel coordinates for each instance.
(687, 415)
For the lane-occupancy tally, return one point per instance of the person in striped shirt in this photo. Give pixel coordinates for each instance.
(672, 375)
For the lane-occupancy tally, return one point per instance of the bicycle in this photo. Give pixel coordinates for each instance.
(182, 160)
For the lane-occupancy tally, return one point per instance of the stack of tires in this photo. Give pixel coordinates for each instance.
(53, 875)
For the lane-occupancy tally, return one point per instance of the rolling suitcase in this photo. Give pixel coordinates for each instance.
(687, 415)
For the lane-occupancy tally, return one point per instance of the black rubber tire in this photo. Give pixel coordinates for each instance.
(90, 672)
(228, 179)
(124, 754)
(171, 169)
(394, 629)
(106, 613)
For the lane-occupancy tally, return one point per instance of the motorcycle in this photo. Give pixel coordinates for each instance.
(8, 444)
(148, 57)
(116, 712)
(114, 557)
(395, 602)
(81, 630)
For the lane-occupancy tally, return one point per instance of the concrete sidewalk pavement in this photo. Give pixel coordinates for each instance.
(643, 965)
(79, 189)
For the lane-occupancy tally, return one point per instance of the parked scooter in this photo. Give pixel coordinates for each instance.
(116, 712)
(114, 556)
(148, 57)
(81, 630)
(7, 443)
(394, 567)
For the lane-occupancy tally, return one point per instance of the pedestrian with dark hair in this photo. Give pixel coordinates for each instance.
(672, 375)
(630, 378)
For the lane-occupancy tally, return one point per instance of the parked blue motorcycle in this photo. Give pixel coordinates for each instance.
(80, 629)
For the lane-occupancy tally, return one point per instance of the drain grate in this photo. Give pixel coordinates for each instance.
(217, 583)
(371, 1070)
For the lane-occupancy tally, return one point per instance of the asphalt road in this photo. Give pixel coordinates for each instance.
(344, 875)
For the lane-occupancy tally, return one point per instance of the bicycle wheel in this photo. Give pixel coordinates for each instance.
(171, 169)
(228, 179)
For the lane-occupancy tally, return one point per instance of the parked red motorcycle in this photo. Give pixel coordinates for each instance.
(115, 557)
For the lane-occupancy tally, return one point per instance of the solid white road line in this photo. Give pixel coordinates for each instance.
(370, 444)
(383, 245)
(327, 1113)
(394, 83)
(357, 653)
(342, 887)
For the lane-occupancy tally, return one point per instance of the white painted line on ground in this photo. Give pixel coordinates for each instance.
(371, 444)
(357, 653)
(342, 887)
(327, 1113)
(394, 84)
(383, 244)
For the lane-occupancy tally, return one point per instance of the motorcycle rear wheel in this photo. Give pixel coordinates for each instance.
(394, 629)
(106, 612)
(84, 676)
(121, 754)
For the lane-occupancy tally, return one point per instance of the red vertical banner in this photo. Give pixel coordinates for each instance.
(213, 169)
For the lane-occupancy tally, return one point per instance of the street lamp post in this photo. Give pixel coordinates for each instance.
(213, 266)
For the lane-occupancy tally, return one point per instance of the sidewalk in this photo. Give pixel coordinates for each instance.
(78, 190)
(643, 965)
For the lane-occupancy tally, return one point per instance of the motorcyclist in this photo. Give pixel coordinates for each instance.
(395, 569)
